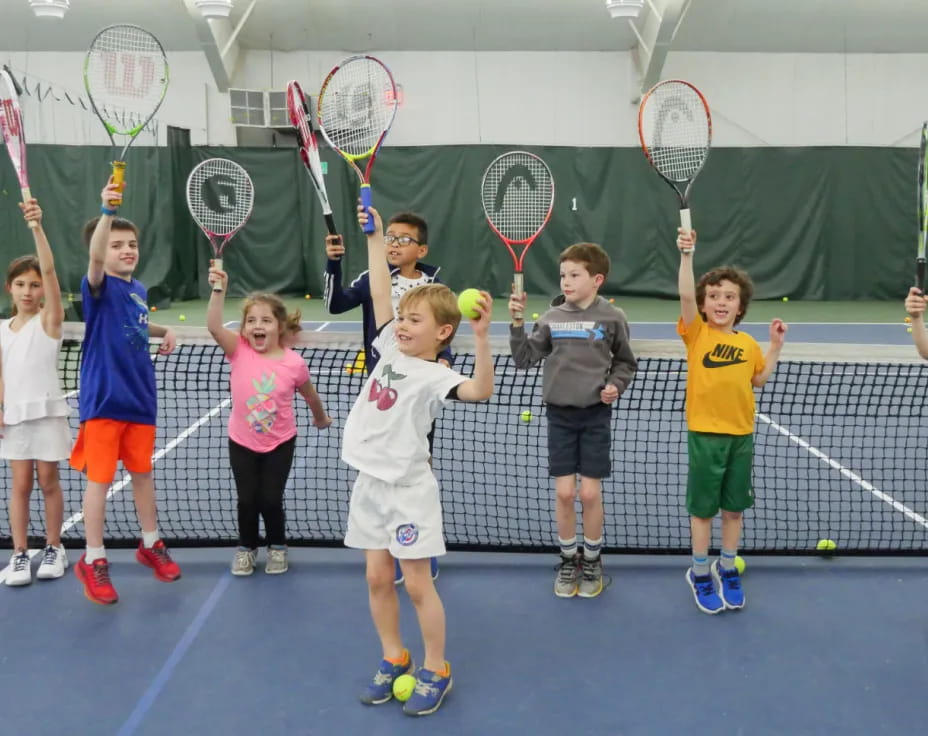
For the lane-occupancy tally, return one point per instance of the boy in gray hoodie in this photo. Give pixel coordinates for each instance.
(589, 365)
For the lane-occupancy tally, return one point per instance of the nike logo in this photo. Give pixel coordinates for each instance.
(708, 362)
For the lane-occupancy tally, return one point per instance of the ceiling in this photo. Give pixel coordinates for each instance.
(886, 26)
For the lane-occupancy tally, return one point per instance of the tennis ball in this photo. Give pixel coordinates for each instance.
(349, 368)
(308, 296)
(785, 298)
(611, 301)
(403, 687)
(908, 319)
(527, 416)
(908, 329)
(826, 545)
(183, 318)
(534, 315)
(154, 309)
(467, 302)
(740, 564)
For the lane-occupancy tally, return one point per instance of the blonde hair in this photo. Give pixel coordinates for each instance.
(442, 303)
(288, 325)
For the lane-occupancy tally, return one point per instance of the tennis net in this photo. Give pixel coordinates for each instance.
(840, 454)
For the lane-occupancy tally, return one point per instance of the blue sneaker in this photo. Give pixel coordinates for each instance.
(729, 583)
(429, 692)
(398, 571)
(380, 689)
(707, 599)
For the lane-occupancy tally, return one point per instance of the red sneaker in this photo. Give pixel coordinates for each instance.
(96, 580)
(158, 559)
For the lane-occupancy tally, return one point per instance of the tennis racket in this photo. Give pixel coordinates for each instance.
(357, 105)
(302, 119)
(126, 78)
(675, 129)
(518, 196)
(922, 209)
(220, 196)
(14, 137)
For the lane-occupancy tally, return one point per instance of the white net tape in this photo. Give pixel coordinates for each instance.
(517, 194)
(676, 130)
(220, 196)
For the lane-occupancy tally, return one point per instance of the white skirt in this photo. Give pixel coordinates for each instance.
(48, 439)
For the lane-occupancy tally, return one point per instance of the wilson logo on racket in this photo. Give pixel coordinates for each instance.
(138, 73)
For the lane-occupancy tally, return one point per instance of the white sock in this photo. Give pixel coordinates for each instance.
(149, 538)
(94, 553)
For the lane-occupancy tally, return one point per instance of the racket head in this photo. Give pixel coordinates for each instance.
(675, 129)
(517, 193)
(11, 125)
(356, 106)
(301, 118)
(126, 76)
(220, 197)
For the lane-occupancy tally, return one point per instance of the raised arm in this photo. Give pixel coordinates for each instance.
(100, 239)
(777, 336)
(378, 271)
(915, 306)
(224, 337)
(686, 282)
(479, 387)
(1, 395)
(53, 311)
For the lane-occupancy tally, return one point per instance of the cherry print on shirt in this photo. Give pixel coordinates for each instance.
(385, 396)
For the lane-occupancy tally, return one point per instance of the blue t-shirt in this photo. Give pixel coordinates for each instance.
(117, 374)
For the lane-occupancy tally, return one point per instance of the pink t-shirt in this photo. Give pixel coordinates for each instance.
(262, 396)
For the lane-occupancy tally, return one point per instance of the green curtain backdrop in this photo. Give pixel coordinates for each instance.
(808, 223)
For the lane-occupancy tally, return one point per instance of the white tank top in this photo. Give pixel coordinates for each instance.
(31, 389)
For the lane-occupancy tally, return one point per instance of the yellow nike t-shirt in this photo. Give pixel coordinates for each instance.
(719, 394)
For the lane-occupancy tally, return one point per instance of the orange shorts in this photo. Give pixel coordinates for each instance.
(102, 443)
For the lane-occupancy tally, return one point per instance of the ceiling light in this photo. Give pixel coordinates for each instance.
(49, 8)
(214, 8)
(624, 8)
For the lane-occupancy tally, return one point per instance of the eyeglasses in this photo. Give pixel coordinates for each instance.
(403, 240)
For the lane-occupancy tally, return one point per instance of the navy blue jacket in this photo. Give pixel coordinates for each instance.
(340, 299)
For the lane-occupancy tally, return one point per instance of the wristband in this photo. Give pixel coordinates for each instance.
(111, 213)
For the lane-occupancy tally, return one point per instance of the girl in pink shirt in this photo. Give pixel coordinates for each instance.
(265, 376)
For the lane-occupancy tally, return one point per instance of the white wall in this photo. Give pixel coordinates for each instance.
(540, 98)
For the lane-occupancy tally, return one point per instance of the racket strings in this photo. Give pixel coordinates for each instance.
(356, 105)
(126, 70)
(518, 194)
(220, 196)
(676, 129)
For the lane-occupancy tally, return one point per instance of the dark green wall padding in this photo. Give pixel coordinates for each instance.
(808, 223)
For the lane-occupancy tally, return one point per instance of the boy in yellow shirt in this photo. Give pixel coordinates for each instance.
(724, 367)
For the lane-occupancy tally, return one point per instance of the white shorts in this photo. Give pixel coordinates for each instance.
(406, 519)
(48, 439)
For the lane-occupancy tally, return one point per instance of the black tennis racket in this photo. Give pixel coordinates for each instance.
(922, 210)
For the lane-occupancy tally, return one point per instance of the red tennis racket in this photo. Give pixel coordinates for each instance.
(518, 196)
(14, 137)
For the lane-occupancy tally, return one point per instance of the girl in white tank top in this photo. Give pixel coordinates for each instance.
(34, 432)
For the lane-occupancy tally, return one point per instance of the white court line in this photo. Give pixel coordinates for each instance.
(846, 472)
(75, 519)
(322, 327)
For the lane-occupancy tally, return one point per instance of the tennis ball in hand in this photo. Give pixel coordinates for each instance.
(527, 416)
(403, 687)
(467, 303)
(740, 564)
(183, 318)
(826, 545)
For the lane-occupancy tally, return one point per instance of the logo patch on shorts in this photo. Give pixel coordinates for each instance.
(407, 534)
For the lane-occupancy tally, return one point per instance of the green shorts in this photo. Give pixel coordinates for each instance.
(719, 475)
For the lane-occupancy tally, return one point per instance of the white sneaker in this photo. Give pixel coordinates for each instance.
(19, 571)
(54, 563)
(244, 562)
(276, 561)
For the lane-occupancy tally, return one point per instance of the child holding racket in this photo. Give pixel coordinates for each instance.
(588, 365)
(724, 367)
(915, 307)
(118, 401)
(34, 434)
(265, 376)
(395, 508)
(406, 241)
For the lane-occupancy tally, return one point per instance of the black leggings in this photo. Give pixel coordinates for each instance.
(261, 478)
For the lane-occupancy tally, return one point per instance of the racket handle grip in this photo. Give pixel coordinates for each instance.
(330, 224)
(518, 288)
(27, 195)
(686, 223)
(119, 177)
(920, 274)
(366, 203)
(217, 263)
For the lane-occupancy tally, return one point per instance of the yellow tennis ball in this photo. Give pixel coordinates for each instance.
(467, 302)
(307, 297)
(403, 687)
(785, 298)
(740, 564)
(908, 329)
(527, 416)
(826, 545)
(534, 315)
(183, 318)
(154, 309)
(908, 319)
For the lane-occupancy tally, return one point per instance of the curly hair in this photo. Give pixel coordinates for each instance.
(726, 273)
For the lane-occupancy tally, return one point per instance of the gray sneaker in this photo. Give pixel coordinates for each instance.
(244, 561)
(591, 578)
(276, 561)
(568, 573)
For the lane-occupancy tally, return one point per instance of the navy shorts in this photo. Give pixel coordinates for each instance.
(580, 440)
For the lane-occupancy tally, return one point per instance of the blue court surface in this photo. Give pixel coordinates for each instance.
(824, 646)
